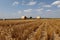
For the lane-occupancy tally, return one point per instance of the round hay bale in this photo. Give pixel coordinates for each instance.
(23, 17)
(38, 17)
(3, 19)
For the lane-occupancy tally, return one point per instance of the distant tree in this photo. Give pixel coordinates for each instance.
(30, 17)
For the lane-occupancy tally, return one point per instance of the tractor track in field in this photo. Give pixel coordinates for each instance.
(34, 32)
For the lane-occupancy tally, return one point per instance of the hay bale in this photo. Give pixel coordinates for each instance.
(23, 17)
(38, 17)
(3, 19)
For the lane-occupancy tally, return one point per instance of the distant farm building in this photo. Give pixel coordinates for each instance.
(23, 17)
(38, 17)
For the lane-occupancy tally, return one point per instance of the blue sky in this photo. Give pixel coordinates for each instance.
(18, 8)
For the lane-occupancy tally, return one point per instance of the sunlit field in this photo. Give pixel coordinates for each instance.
(30, 29)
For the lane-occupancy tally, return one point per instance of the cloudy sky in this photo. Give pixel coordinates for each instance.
(18, 8)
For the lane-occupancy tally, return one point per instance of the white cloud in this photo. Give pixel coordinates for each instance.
(46, 5)
(15, 3)
(31, 3)
(42, 4)
(56, 3)
(58, 6)
(28, 10)
(19, 12)
(39, 9)
(48, 10)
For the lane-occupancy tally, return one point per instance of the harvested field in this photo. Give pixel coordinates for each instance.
(30, 29)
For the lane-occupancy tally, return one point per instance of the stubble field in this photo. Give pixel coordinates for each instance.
(30, 29)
